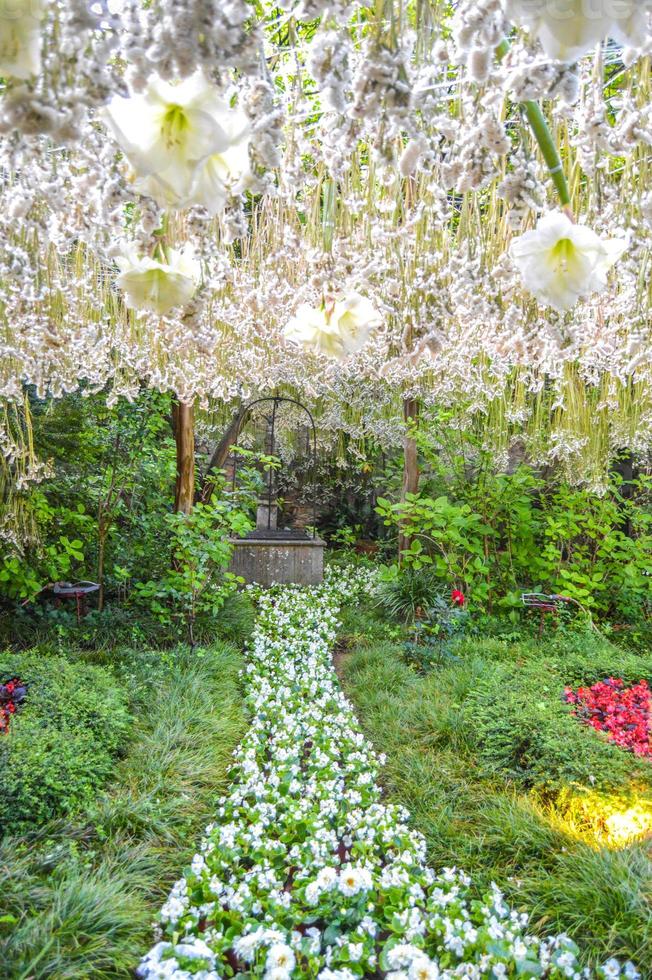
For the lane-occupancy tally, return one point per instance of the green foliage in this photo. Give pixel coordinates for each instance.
(235, 620)
(23, 578)
(346, 536)
(430, 641)
(497, 827)
(447, 536)
(113, 467)
(196, 581)
(526, 733)
(79, 897)
(502, 534)
(62, 743)
(405, 593)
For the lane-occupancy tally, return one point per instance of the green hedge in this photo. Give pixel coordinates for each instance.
(63, 741)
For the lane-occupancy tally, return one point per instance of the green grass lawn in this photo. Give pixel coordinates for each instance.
(80, 894)
(501, 780)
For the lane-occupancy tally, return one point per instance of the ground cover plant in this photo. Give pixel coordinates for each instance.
(504, 782)
(79, 894)
(64, 744)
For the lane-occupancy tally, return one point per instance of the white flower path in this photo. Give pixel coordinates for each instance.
(306, 873)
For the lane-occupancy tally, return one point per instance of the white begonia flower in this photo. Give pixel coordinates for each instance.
(354, 880)
(568, 29)
(560, 261)
(149, 284)
(337, 329)
(403, 954)
(20, 37)
(423, 968)
(185, 143)
(280, 956)
(277, 973)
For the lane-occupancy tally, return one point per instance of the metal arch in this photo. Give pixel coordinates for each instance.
(276, 399)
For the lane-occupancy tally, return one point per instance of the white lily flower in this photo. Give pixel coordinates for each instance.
(560, 261)
(20, 38)
(338, 328)
(568, 29)
(149, 284)
(184, 142)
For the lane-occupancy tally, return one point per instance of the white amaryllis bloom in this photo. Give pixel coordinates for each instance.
(560, 261)
(20, 37)
(338, 328)
(184, 142)
(568, 29)
(149, 284)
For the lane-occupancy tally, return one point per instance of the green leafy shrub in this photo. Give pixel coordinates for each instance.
(63, 743)
(496, 535)
(196, 582)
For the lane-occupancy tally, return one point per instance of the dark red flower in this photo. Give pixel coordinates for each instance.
(623, 714)
(457, 597)
(12, 694)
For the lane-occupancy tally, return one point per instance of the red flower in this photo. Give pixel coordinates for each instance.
(623, 714)
(457, 597)
(11, 695)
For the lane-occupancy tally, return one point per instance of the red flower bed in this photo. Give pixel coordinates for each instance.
(622, 712)
(12, 693)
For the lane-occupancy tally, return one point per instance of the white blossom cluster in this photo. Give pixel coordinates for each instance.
(419, 124)
(306, 872)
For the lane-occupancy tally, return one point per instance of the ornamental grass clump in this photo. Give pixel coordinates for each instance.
(306, 872)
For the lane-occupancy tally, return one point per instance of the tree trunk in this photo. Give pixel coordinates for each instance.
(221, 454)
(184, 433)
(410, 464)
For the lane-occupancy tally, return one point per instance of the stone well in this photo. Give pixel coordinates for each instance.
(269, 554)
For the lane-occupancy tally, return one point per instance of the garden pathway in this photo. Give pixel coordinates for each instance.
(306, 872)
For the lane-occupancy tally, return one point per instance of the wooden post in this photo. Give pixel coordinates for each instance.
(184, 434)
(221, 454)
(410, 463)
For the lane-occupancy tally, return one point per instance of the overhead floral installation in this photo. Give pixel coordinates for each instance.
(449, 202)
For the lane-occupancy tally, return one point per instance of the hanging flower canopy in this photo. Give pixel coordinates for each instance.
(398, 198)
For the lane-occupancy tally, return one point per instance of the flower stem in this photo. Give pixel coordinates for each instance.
(548, 148)
(543, 136)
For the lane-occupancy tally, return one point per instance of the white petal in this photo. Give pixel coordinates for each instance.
(207, 188)
(559, 262)
(568, 29)
(20, 39)
(158, 286)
